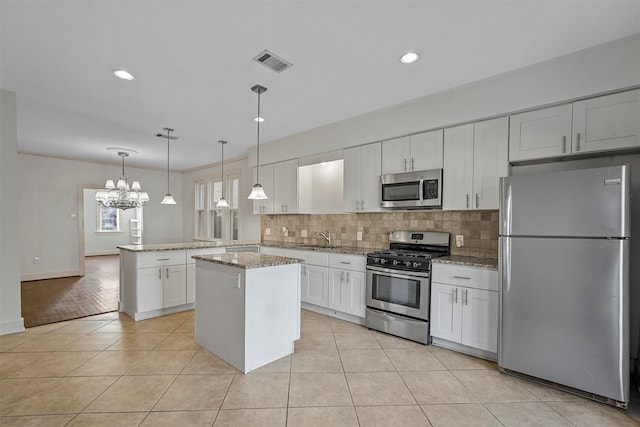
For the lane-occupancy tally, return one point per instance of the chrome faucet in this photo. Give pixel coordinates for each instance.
(326, 235)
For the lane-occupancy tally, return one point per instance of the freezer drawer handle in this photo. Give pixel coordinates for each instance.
(613, 181)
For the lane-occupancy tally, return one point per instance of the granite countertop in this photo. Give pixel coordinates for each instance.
(353, 250)
(468, 261)
(183, 246)
(246, 260)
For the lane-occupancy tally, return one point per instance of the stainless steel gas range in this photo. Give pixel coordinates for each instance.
(399, 282)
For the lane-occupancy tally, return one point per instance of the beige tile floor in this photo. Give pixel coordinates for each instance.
(109, 370)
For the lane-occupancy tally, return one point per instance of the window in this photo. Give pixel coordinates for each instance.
(209, 221)
(108, 219)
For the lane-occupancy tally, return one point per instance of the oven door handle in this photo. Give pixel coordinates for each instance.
(399, 273)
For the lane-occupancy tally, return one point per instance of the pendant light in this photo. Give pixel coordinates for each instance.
(168, 198)
(257, 192)
(222, 203)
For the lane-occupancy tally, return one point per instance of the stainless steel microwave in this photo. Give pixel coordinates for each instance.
(412, 190)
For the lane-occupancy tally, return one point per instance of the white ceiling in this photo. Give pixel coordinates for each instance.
(194, 70)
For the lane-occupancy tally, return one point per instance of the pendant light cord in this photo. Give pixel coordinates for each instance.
(258, 145)
(222, 169)
(123, 177)
(168, 133)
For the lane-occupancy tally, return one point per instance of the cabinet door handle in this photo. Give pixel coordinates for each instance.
(578, 142)
(345, 262)
(564, 143)
(304, 270)
(477, 200)
(286, 208)
(462, 277)
(455, 296)
(467, 201)
(466, 297)
(405, 165)
(348, 277)
(163, 259)
(160, 274)
(342, 276)
(167, 272)
(413, 163)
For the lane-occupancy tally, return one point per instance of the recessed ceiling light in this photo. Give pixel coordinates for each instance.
(409, 58)
(258, 119)
(123, 74)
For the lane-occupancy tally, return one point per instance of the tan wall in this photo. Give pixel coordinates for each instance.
(479, 228)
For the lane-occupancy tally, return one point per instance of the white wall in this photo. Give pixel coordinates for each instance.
(10, 313)
(103, 243)
(249, 224)
(603, 68)
(50, 212)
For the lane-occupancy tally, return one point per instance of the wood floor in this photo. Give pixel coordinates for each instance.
(56, 300)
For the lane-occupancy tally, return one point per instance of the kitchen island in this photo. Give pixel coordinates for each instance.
(248, 307)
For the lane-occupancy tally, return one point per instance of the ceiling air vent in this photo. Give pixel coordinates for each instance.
(272, 61)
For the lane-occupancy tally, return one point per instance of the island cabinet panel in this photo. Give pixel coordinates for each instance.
(150, 289)
(247, 317)
(191, 270)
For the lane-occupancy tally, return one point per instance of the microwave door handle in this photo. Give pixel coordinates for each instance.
(420, 191)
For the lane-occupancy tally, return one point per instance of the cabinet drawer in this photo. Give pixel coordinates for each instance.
(470, 277)
(309, 257)
(347, 262)
(202, 251)
(159, 259)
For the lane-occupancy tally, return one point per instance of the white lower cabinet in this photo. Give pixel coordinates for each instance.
(464, 306)
(346, 291)
(315, 284)
(330, 281)
(150, 289)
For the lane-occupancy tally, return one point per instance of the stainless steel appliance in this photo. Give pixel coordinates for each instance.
(564, 252)
(399, 282)
(412, 190)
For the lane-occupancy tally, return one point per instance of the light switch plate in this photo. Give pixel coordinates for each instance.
(267, 232)
(459, 240)
(359, 235)
(303, 233)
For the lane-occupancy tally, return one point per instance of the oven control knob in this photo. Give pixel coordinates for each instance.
(407, 263)
(396, 262)
(416, 264)
(383, 261)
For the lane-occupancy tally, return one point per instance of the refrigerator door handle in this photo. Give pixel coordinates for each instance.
(578, 142)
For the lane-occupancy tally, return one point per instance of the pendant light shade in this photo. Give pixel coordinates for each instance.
(168, 198)
(222, 202)
(257, 192)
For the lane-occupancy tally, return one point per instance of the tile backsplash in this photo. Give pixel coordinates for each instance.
(479, 228)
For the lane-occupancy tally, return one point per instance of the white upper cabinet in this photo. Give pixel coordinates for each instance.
(285, 187)
(362, 168)
(422, 151)
(490, 161)
(475, 157)
(280, 183)
(598, 124)
(266, 180)
(607, 123)
(457, 185)
(541, 133)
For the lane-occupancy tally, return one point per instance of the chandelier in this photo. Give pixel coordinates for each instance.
(120, 195)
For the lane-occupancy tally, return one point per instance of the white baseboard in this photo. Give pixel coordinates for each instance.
(11, 326)
(332, 313)
(100, 253)
(50, 275)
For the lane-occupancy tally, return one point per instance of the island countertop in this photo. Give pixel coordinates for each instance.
(188, 245)
(247, 260)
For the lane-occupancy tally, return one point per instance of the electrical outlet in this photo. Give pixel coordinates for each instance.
(359, 235)
(303, 233)
(267, 232)
(459, 240)
(36, 260)
(285, 231)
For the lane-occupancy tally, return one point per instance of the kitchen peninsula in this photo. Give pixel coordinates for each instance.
(248, 311)
(160, 279)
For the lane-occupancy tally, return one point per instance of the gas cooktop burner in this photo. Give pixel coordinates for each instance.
(411, 251)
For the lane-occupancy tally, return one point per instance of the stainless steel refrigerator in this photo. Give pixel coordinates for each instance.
(564, 273)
